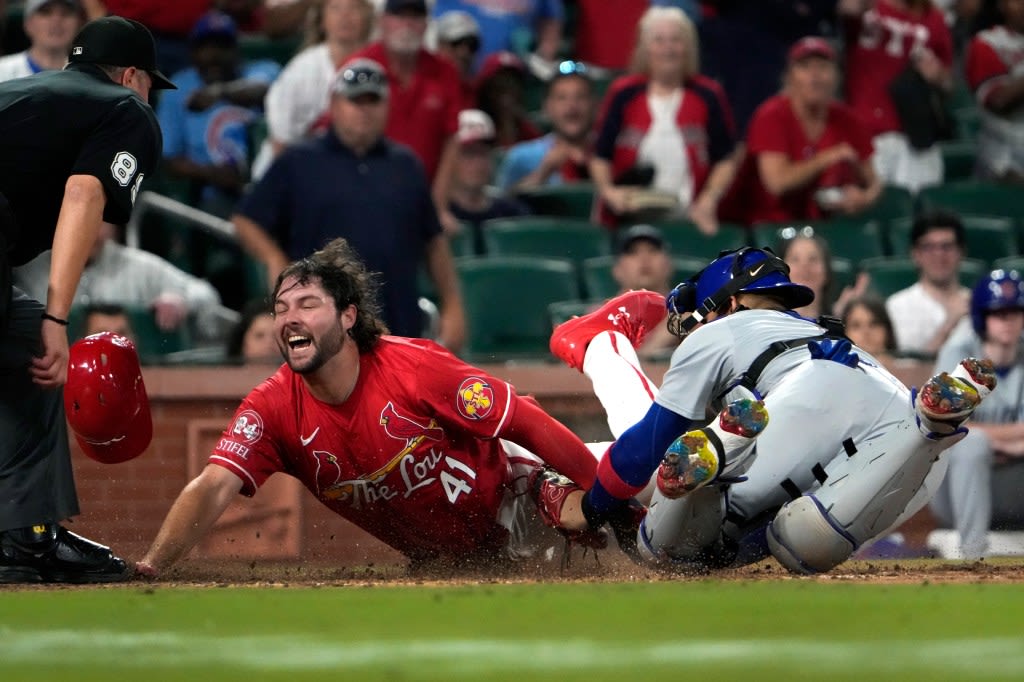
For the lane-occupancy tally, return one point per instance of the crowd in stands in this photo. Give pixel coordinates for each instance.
(579, 147)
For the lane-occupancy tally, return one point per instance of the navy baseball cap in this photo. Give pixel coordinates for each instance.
(361, 77)
(116, 41)
(396, 6)
(636, 233)
(214, 25)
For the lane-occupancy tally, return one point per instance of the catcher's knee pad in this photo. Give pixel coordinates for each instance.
(805, 539)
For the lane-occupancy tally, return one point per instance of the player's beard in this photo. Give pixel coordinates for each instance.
(325, 348)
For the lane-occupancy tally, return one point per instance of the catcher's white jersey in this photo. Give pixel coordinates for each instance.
(813, 405)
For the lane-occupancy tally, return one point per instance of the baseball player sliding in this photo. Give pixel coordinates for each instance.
(845, 452)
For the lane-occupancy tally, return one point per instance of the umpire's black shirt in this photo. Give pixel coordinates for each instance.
(56, 124)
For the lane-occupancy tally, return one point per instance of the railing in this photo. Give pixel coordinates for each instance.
(151, 201)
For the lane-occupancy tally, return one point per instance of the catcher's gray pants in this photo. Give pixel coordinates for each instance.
(36, 481)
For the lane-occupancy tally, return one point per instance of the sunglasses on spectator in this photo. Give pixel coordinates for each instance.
(572, 68)
(471, 43)
(930, 247)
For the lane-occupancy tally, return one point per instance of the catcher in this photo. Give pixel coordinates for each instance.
(849, 452)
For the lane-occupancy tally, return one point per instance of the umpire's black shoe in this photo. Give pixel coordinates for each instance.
(51, 554)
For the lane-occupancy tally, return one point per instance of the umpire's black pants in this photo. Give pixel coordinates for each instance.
(37, 484)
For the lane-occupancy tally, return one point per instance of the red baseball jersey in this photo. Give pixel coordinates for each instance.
(879, 47)
(424, 113)
(991, 56)
(775, 128)
(411, 456)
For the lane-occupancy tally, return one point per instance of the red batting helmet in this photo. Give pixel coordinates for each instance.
(105, 398)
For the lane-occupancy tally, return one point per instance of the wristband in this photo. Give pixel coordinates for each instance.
(54, 318)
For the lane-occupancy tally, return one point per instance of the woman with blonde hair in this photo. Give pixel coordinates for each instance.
(664, 127)
(296, 105)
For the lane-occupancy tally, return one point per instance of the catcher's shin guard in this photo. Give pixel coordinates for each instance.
(862, 496)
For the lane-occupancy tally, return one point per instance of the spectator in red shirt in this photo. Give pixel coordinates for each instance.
(600, 26)
(995, 71)
(885, 37)
(425, 95)
(809, 154)
(458, 39)
(499, 93)
(667, 118)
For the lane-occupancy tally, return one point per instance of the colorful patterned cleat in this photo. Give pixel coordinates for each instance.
(632, 314)
(745, 417)
(947, 398)
(980, 374)
(690, 463)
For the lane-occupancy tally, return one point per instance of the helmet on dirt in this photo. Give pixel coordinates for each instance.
(998, 290)
(749, 270)
(105, 398)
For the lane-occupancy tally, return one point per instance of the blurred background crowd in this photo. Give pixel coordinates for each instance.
(504, 163)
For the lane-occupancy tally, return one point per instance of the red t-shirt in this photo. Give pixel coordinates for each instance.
(605, 31)
(993, 55)
(775, 128)
(173, 18)
(425, 113)
(879, 46)
(411, 456)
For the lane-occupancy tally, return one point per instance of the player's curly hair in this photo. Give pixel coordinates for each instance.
(343, 275)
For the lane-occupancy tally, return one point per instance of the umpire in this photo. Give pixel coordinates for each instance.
(74, 148)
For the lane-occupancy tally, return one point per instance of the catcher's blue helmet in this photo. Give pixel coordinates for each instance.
(998, 290)
(748, 270)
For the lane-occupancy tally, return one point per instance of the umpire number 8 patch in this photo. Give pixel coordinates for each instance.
(123, 168)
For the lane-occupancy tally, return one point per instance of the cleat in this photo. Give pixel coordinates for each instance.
(946, 398)
(549, 489)
(633, 314)
(744, 417)
(980, 374)
(51, 554)
(690, 463)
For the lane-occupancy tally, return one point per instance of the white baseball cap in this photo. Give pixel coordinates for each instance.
(475, 126)
(456, 25)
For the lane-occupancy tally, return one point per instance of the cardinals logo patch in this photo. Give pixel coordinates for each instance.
(475, 398)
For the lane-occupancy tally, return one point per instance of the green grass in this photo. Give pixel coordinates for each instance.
(790, 630)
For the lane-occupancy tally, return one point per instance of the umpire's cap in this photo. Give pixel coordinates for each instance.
(116, 41)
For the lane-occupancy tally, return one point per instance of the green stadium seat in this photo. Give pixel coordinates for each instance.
(968, 122)
(893, 203)
(570, 200)
(279, 50)
(687, 241)
(599, 284)
(852, 238)
(1010, 263)
(506, 301)
(989, 238)
(561, 311)
(546, 237)
(958, 157)
(978, 198)
(890, 274)
(844, 274)
(686, 267)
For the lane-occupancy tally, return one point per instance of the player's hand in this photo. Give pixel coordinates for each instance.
(143, 569)
(51, 369)
(169, 310)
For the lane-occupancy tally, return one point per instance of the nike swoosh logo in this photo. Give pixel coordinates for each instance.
(307, 441)
(753, 273)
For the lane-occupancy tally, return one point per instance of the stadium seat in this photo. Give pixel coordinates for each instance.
(958, 157)
(890, 274)
(989, 238)
(599, 284)
(972, 197)
(968, 122)
(253, 46)
(852, 238)
(893, 203)
(571, 200)
(844, 273)
(1010, 263)
(151, 342)
(686, 241)
(560, 311)
(506, 301)
(546, 237)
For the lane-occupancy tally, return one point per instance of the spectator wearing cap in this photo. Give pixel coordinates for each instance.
(170, 21)
(563, 154)
(354, 182)
(995, 75)
(520, 27)
(205, 122)
(499, 92)
(50, 25)
(809, 156)
(897, 48)
(297, 102)
(642, 261)
(426, 96)
(469, 200)
(664, 130)
(458, 39)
